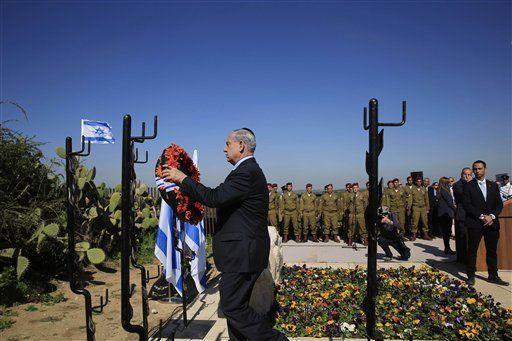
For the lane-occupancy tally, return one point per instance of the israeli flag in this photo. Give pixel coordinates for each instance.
(97, 132)
(194, 237)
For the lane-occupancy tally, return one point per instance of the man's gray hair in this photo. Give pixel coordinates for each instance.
(247, 136)
(465, 169)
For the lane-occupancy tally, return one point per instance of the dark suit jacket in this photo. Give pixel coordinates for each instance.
(475, 204)
(432, 198)
(445, 204)
(458, 193)
(241, 242)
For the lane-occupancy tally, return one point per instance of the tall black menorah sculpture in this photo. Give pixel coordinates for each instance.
(376, 143)
(128, 245)
(71, 209)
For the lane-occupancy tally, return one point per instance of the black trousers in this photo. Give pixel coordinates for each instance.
(244, 323)
(491, 244)
(461, 241)
(397, 244)
(433, 223)
(445, 222)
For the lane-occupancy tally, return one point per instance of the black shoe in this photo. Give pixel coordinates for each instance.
(449, 252)
(497, 280)
(470, 281)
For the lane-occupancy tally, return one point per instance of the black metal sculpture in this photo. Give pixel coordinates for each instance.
(71, 207)
(128, 247)
(376, 143)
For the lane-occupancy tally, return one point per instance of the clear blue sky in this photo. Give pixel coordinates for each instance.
(298, 74)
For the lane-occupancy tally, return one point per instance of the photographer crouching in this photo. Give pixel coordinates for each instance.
(388, 227)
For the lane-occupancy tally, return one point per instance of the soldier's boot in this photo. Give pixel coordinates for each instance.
(305, 238)
(365, 241)
(426, 236)
(326, 238)
(413, 237)
(285, 238)
(315, 239)
(349, 243)
(297, 238)
(336, 239)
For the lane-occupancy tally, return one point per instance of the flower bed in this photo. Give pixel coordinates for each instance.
(419, 302)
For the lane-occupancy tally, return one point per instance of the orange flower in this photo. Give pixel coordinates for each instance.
(309, 330)
(470, 300)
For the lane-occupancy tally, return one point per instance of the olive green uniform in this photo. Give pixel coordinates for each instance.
(329, 207)
(344, 210)
(290, 209)
(308, 210)
(419, 203)
(273, 207)
(357, 203)
(408, 203)
(396, 200)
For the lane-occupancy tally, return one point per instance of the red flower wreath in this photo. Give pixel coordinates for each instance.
(185, 208)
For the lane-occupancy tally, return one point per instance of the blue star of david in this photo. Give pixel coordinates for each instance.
(99, 131)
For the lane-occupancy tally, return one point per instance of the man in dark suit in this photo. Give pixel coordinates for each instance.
(461, 238)
(241, 241)
(433, 221)
(483, 205)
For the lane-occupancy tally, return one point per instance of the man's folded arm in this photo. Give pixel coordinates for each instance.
(233, 189)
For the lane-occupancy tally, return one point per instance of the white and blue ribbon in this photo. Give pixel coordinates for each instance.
(166, 250)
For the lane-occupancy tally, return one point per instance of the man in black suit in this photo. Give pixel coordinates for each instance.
(433, 220)
(461, 238)
(483, 205)
(241, 242)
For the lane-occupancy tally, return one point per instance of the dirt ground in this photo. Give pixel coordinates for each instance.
(66, 320)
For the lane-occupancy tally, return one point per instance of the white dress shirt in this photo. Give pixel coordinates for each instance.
(242, 160)
(483, 187)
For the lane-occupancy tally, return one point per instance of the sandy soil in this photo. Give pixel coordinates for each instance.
(66, 320)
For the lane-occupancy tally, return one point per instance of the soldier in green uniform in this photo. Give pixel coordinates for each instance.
(329, 206)
(308, 211)
(396, 200)
(385, 193)
(273, 205)
(357, 203)
(420, 207)
(344, 210)
(290, 205)
(408, 212)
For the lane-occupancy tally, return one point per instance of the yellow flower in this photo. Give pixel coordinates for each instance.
(325, 295)
(416, 321)
(470, 300)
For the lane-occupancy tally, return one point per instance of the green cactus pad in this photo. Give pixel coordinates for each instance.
(82, 246)
(115, 199)
(81, 182)
(7, 252)
(96, 255)
(61, 152)
(51, 230)
(146, 212)
(21, 266)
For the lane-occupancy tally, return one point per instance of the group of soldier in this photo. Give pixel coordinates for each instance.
(343, 214)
